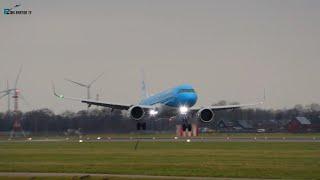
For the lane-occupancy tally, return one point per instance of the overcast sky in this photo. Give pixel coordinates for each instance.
(228, 50)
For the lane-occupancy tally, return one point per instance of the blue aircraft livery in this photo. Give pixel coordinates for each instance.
(183, 95)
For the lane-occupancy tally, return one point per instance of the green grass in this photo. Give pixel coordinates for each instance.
(218, 159)
(65, 178)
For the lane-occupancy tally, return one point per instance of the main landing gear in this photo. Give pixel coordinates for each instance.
(141, 126)
(186, 127)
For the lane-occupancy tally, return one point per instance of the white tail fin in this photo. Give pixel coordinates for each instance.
(144, 87)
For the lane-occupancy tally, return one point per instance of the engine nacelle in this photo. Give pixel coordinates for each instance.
(136, 112)
(205, 115)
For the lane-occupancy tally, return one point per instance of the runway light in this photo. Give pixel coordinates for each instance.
(183, 109)
(153, 112)
(98, 138)
(188, 140)
(80, 141)
(61, 96)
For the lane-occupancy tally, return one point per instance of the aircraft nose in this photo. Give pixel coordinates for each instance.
(189, 99)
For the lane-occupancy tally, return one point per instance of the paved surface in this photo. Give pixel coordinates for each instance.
(211, 139)
(27, 174)
(194, 139)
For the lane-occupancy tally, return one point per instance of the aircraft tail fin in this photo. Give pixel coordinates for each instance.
(144, 87)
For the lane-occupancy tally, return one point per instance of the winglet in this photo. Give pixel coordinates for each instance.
(55, 93)
(143, 87)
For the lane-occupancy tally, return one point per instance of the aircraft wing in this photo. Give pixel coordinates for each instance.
(237, 106)
(98, 103)
(227, 107)
(106, 104)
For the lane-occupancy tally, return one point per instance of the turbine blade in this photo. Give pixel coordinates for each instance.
(5, 91)
(25, 101)
(95, 79)
(17, 79)
(7, 94)
(75, 82)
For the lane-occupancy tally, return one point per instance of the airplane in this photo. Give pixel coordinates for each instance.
(177, 102)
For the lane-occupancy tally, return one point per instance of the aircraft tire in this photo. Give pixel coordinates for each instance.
(144, 126)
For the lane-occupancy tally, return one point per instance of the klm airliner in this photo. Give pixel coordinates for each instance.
(175, 102)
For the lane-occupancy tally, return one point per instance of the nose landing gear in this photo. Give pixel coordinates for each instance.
(186, 128)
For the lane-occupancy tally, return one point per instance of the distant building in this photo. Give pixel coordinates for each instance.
(225, 125)
(299, 124)
(316, 124)
(271, 125)
(245, 125)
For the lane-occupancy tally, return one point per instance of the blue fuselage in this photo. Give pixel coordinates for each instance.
(183, 95)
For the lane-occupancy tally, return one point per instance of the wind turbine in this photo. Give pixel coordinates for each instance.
(16, 94)
(12, 91)
(87, 86)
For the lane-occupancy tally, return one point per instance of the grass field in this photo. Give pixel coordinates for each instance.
(67, 178)
(218, 159)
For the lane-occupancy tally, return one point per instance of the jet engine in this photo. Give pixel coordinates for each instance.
(136, 112)
(205, 115)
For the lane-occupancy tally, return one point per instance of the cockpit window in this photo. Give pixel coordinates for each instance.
(186, 91)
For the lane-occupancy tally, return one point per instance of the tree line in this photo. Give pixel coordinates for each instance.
(106, 121)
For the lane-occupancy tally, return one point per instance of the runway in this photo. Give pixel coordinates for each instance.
(211, 139)
(177, 139)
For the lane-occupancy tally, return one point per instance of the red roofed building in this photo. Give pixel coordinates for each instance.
(299, 124)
